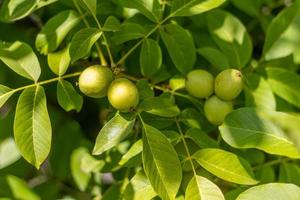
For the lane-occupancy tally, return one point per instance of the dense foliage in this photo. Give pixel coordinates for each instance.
(150, 99)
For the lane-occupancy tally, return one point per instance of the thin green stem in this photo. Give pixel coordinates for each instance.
(186, 146)
(142, 40)
(100, 54)
(46, 82)
(105, 41)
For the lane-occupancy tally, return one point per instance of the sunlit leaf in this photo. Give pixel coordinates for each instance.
(225, 165)
(32, 126)
(19, 57)
(113, 133)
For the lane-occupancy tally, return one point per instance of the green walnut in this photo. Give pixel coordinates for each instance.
(199, 83)
(216, 109)
(95, 80)
(181, 151)
(229, 84)
(123, 95)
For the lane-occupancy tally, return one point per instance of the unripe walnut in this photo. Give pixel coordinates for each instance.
(216, 110)
(95, 80)
(200, 83)
(229, 84)
(123, 95)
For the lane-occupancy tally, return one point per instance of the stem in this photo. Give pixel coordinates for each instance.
(141, 41)
(186, 147)
(101, 56)
(46, 82)
(105, 41)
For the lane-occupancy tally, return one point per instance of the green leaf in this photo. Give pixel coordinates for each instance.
(161, 163)
(161, 106)
(128, 31)
(32, 127)
(251, 7)
(180, 46)
(111, 24)
(201, 138)
(9, 152)
(133, 155)
(90, 164)
(12, 10)
(89, 5)
(282, 35)
(145, 90)
(139, 188)
(249, 128)
(289, 173)
(193, 7)
(19, 189)
(19, 57)
(113, 133)
(67, 96)
(271, 191)
(202, 188)
(225, 165)
(215, 57)
(80, 177)
(55, 30)
(231, 37)
(150, 57)
(59, 61)
(5, 94)
(258, 92)
(82, 42)
(285, 84)
(150, 8)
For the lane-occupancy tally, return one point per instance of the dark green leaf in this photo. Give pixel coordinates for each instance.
(111, 24)
(150, 57)
(89, 5)
(82, 42)
(127, 32)
(180, 46)
(201, 138)
(67, 96)
(161, 106)
(215, 57)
